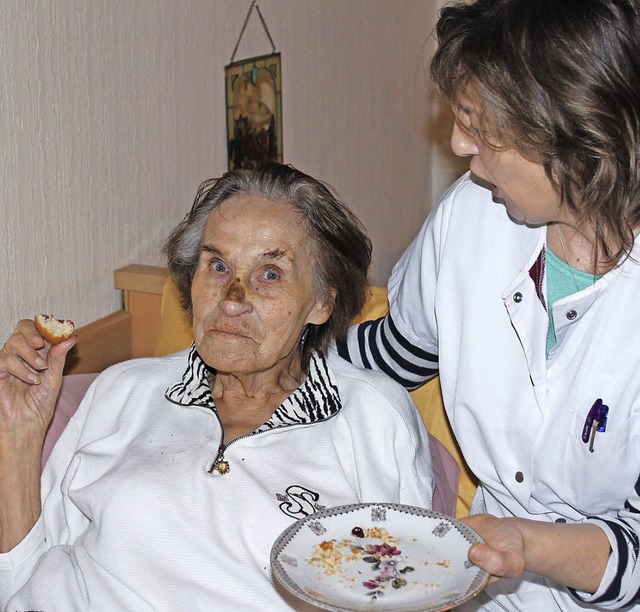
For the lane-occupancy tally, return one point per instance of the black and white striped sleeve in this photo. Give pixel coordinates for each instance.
(403, 344)
(379, 345)
(620, 585)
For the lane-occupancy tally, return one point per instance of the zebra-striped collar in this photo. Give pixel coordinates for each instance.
(316, 399)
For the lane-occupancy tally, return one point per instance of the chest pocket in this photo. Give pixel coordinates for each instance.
(599, 482)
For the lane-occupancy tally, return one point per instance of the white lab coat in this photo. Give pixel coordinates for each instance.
(463, 292)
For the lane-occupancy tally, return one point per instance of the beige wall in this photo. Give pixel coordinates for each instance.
(112, 112)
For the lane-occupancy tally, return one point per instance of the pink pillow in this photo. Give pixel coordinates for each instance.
(74, 386)
(446, 473)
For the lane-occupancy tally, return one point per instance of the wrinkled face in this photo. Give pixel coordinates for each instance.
(253, 289)
(522, 185)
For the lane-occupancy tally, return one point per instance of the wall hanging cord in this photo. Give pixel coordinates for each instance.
(244, 25)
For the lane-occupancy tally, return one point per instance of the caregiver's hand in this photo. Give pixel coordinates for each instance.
(575, 554)
(503, 554)
(30, 378)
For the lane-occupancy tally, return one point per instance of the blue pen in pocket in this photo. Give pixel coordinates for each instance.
(596, 421)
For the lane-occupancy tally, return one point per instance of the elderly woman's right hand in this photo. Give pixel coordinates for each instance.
(30, 378)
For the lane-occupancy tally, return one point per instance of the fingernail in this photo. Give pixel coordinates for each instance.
(41, 363)
(34, 380)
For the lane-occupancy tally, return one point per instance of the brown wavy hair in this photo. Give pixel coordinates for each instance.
(559, 81)
(341, 249)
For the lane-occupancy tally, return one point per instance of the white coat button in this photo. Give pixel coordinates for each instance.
(519, 476)
(571, 314)
(517, 297)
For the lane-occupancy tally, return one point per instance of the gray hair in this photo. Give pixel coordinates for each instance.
(341, 250)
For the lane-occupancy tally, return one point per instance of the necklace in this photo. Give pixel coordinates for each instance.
(566, 258)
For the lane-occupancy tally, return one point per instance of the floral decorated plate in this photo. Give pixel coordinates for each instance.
(378, 556)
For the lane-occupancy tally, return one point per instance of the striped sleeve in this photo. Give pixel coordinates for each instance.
(620, 585)
(378, 345)
(404, 343)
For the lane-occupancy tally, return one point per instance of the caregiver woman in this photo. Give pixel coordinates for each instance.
(523, 291)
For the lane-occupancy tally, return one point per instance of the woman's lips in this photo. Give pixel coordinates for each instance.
(483, 182)
(231, 333)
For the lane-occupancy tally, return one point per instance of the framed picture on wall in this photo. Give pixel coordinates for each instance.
(254, 111)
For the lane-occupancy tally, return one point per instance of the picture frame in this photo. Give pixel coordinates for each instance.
(254, 111)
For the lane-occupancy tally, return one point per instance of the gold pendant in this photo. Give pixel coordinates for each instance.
(222, 467)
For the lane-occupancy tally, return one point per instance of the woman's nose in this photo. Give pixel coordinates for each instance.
(461, 143)
(234, 301)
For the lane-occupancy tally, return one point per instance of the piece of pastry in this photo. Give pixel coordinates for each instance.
(53, 330)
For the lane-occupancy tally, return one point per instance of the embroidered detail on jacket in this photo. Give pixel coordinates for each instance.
(299, 502)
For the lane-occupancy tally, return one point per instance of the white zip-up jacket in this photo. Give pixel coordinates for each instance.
(134, 518)
(468, 300)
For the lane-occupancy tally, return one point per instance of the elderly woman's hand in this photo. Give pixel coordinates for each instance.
(30, 378)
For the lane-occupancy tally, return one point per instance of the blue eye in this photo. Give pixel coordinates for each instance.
(219, 267)
(271, 275)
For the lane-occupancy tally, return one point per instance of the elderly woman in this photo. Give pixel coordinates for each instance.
(522, 290)
(168, 487)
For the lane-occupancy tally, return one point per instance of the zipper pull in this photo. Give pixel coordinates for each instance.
(220, 465)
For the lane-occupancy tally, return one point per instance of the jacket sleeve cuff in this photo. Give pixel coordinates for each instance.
(604, 596)
(16, 566)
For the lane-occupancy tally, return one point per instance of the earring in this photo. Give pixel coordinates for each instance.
(305, 334)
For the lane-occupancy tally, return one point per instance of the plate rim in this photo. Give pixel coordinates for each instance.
(289, 533)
